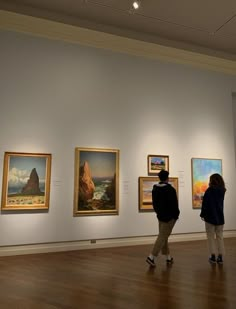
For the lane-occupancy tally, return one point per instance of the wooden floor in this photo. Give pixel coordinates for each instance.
(119, 278)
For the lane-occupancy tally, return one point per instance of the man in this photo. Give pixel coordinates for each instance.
(165, 204)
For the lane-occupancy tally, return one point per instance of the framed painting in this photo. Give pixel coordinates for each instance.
(26, 181)
(145, 191)
(202, 169)
(96, 190)
(156, 163)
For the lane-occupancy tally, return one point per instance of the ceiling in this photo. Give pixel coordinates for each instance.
(203, 26)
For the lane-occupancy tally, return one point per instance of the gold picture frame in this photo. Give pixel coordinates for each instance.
(145, 191)
(26, 181)
(96, 183)
(156, 163)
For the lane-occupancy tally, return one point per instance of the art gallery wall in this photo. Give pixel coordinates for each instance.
(55, 96)
(234, 118)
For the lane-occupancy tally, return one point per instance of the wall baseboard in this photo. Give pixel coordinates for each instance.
(100, 243)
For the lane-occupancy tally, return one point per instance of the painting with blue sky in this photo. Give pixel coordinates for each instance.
(145, 191)
(26, 181)
(19, 171)
(156, 163)
(202, 169)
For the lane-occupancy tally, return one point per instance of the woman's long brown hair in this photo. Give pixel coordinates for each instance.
(217, 181)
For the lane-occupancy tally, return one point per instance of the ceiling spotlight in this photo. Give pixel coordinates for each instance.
(136, 5)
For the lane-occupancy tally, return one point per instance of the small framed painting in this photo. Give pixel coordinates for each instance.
(96, 190)
(156, 163)
(26, 181)
(145, 191)
(202, 169)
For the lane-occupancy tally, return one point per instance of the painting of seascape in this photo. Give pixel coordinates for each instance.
(96, 181)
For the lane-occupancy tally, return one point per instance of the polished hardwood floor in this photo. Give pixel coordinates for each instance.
(119, 278)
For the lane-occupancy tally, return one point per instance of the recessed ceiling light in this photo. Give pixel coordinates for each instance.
(136, 4)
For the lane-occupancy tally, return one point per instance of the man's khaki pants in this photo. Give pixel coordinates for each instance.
(161, 244)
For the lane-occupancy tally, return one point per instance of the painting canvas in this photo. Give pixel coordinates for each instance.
(96, 189)
(202, 169)
(156, 163)
(26, 181)
(145, 191)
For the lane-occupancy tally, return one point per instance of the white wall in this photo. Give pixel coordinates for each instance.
(56, 96)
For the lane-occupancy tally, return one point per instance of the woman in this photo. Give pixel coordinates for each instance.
(212, 213)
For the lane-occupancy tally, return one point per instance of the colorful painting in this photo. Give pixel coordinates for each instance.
(96, 189)
(145, 191)
(156, 163)
(202, 169)
(26, 181)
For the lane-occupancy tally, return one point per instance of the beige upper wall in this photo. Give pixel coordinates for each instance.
(58, 31)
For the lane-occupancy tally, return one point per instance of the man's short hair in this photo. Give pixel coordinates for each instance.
(163, 175)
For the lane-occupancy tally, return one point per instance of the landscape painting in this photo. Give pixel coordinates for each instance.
(26, 181)
(156, 163)
(202, 169)
(96, 189)
(145, 191)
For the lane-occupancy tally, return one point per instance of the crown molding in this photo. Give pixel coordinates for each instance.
(77, 35)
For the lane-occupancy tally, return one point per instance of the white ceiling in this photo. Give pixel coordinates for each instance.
(205, 26)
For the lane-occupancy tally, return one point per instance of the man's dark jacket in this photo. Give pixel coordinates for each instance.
(213, 206)
(165, 202)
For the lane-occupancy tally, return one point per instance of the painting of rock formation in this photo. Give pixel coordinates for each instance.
(86, 184)
(32, 185)
(26, 181)
(96, 181)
